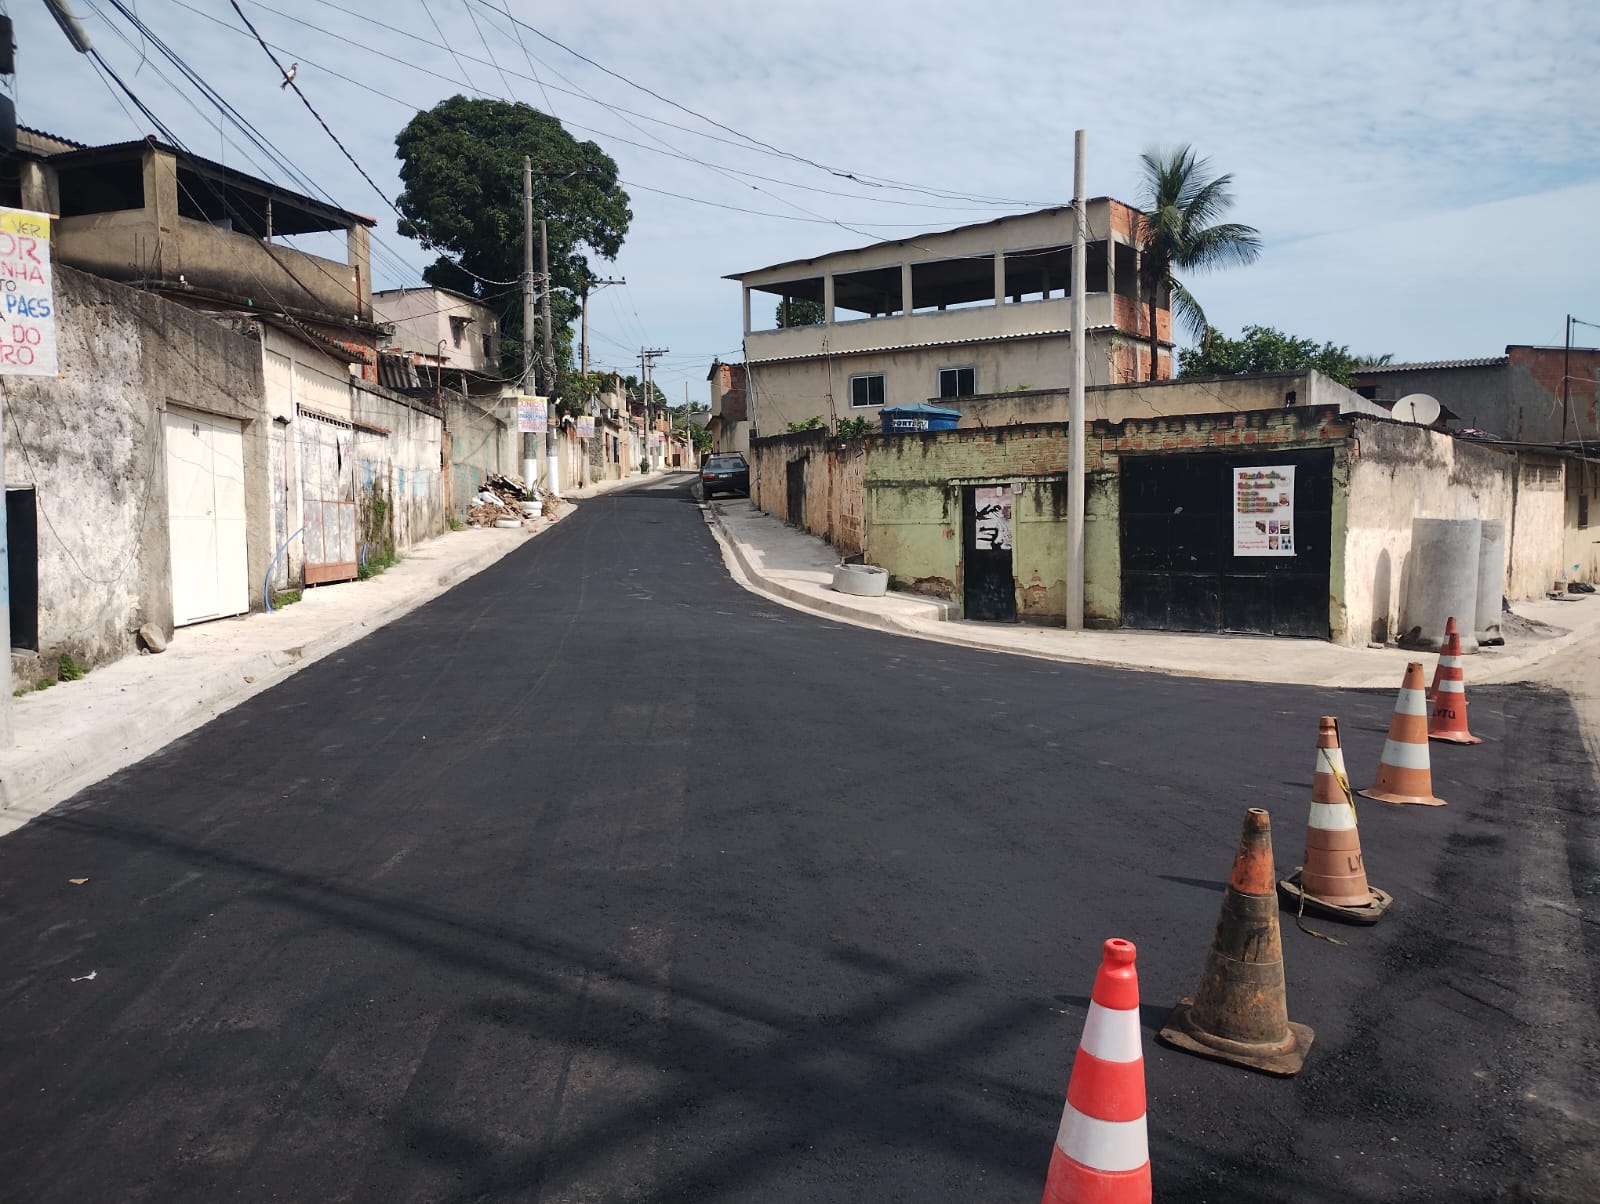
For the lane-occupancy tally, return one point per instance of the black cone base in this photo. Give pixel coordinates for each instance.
(1181, 1033)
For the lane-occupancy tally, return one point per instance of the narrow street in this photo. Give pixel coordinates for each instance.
(601, 878)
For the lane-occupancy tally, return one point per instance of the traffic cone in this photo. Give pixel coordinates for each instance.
(1239, 1012)
(1333, 881)
(1102, 1155)
(1405, 774)
(1447, 718)
(1450, 647)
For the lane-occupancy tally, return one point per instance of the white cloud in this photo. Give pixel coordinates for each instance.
(1416, 168)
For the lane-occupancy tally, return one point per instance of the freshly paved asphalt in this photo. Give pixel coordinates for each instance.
(600, 878)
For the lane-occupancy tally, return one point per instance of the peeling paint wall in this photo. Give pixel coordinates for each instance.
(1580, 558)
(480, 445)
(1537, 556)
(91, 444)
(831, 471)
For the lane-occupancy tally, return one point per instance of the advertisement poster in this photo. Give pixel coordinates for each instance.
(531, 413)
(992, 510)
(586, 427)
(28, 321)
(1263, 511)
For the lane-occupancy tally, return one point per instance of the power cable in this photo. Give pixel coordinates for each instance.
(343, 149)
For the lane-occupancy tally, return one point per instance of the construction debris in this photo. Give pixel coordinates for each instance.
(501, 500)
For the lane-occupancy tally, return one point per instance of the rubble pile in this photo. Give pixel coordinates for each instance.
(500, 499)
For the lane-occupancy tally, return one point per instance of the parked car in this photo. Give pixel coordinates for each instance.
(724, 474)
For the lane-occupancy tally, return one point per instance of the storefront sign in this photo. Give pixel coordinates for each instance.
(531, 415)
(27, 300)
(1263, 511)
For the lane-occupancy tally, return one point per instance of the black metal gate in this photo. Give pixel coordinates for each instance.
(1179, 571)
(794, 500)
(989, 591)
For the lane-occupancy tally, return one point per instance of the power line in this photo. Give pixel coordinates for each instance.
(289, 79)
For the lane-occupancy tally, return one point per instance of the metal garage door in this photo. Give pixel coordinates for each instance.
(1179, 568)
(205, 516)
(328, 497)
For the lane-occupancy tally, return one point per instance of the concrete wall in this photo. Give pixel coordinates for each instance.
(480, 444)
(399, 482)
(834, 470)
(1399, 472)
(1537, 556)
(1580, 558)
(91, 443)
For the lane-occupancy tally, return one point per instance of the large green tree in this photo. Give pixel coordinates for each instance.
(801, 313)
(1263, 349)
(461, 164)
(1181, 231)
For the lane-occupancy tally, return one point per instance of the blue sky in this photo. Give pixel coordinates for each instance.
(1425, 175)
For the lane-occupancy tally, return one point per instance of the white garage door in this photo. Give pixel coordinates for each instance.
(205, 515)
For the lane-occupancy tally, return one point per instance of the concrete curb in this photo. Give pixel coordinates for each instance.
(940, 629)
(36, 783)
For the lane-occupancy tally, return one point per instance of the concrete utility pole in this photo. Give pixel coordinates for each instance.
(595, 286)
(1075, 431)
(552, 452)
(647, 368)
(530, 461)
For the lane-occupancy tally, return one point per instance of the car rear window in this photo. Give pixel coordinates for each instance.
(725, 463)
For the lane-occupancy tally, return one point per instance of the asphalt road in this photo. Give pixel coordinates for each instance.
(600, 878)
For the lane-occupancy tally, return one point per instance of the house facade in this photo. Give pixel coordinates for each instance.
(979, 310)
(441, 328)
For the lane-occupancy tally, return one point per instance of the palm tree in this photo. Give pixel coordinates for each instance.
(1180, 231)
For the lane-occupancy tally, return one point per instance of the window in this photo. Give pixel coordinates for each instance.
(957, 382)
(867, 390)
(458, 327)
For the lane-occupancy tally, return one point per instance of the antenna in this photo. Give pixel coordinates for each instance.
(1416, 407)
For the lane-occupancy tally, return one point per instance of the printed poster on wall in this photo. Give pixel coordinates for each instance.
(586, 427)
(991, 508)
(28, 312)
(1263, 511)
(531, 413)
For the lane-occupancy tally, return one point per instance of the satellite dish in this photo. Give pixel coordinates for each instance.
(1417, 407)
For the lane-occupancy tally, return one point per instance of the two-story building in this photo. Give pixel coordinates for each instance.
(440, 329)
(981, 309)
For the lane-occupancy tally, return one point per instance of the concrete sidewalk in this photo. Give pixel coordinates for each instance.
(75, 733)
(797, 569)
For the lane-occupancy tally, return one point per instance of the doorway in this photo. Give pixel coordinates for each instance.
(989, 592)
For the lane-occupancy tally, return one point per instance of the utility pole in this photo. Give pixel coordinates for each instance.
(552, 454)
(594, 286)
(1075, 431)
(530, 461)
(1566, 385)
(647, 367)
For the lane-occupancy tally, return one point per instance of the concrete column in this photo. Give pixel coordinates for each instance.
(358, 245)
(827, 300)
(747, 309)
(999, 278)
(161, 205)
(905, 290)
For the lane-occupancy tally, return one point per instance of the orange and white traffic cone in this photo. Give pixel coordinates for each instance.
(1452, 639)
(1102, 1153)
(1240, 1013)
(1333, 881)
(1405, 773)
(1447, 720)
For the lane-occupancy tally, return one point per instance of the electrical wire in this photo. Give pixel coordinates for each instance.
(343, 149)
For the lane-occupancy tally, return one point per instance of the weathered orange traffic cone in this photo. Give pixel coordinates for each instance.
(1405, 773)
(1452, 640)
(1239, 1013)
(1447, 718)
(1102, 1154)
(1333, 881)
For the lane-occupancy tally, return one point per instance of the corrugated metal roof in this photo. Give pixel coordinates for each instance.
(1432, 365)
